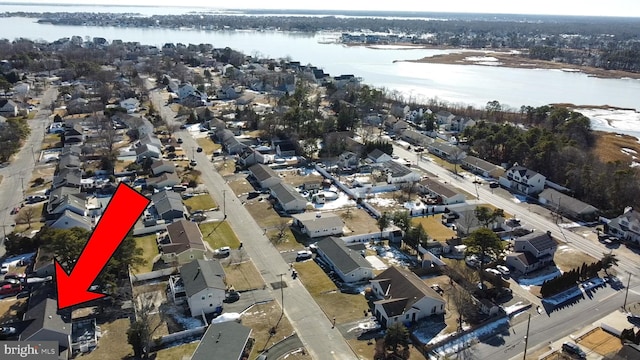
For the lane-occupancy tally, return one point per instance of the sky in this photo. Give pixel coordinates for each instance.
(629, 8)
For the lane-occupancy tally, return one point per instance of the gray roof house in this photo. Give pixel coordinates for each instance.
(166, 179)
(441, 149)
(444, 193)
(398, 173)
(315, 224)
(47, 324)
(69, 219)
(532, 251)
(68, 177)
(204, 284)
(159, 167)
(223, 341)
(348, 264)
(147, 151)
(69, 161)
(404, 297)
(482, 167)
(567, 205)
(625, 226)
(58, 195)
(168, 205)
(379, 156)
(264, 175)
(288, 198)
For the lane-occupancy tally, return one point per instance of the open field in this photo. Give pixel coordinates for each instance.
(149, 248)
(240, 186)
(600, 341)
(336, 305)
(113, 344)
(358, 221)
(219, 234)
(609, 147)
(434, 228)
(177, 352)
(261, 318)
(567, 258)
(243, 276)
(200, 202)
(208, 146)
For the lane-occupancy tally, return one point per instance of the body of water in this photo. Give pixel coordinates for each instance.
(465, 84)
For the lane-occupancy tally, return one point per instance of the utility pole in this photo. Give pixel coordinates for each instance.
(626, 294)
(224, 203)
(526, 338)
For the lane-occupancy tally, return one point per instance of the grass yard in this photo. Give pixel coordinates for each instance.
(22, 225)
(358, 221)
(365, 350)
(343, 307)
(567, 258)
(226, 167)
(241, 186)
(200, 202)
(261, 318)
(149, 248)
(208, 146)
(600, 341)
(443, 163)
(177, 352)
(290, 242)
(433, 226)
(51, 141)
(121, 165)
(243, 276)
(292, 177)
(263, 213)
(219, 234)
(113, 343)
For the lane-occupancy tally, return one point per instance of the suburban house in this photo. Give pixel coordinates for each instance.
(130, 104)
(145, 151)
(8, 108)
(284, 148)
(74, 203)
(223, 341)
(442, 149)
(348, 159)
(264, 175)
(149, 139)
(378, 156)
(69, 219)
(532, 251)
(482, 167)
(59, 195)
(404, 297)
(168, 205)
(466, 222)
(164, 180)
(523, 180)
(230, 143)
(288, 198)
(73, 135)
(318, 224)
(48, 324)
(443, 193)
(567, 206)
(183, 243)
(250, 156)
(398, 173)
(350, 265)
(69, 161)
(625, 226)
(416, 138)
(68, 178)
(204, 284)
(159, 167)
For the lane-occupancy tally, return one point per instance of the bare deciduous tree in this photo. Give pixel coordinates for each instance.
(26, 216)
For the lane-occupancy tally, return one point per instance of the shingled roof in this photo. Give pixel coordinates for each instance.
(202, 274)
(344, 259)
(183, 235)
(403, 288)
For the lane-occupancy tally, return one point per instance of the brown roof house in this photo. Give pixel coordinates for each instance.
(404, 297)
(183, 243)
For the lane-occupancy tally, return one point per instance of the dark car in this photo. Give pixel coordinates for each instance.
(9, 281)
(199, 149)
(180, 141)
(232, 296)
(12, 276)
(574, 350)
(7, 331)
(494, 185)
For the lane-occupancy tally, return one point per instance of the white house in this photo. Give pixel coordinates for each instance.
(532, 251)
(289, 199)
(350, 265)
(147, 151)
(379, 156)
(398, 173)
(625, 226)
(315, 224)
(264, 175)
(404, 297)
(183, 243)
(205, 286)
(130, 104)
(69, 219)
(444, 193)
(523, 180)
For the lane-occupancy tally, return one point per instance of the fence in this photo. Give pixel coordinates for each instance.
(388, 234)
(181, 335)
(370, 209)
(149, 229)
(135, 278)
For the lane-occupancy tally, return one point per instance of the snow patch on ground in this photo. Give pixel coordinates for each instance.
(614, 120)
(468, 339)
(226, 317)
(628, 151)
(515, 307)
(381, 201)
(187, 322)
(538, 280)
(481, 58)
(376, 263)
(573, 292)
(341, 202)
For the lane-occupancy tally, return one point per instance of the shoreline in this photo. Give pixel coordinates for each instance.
(514, 59)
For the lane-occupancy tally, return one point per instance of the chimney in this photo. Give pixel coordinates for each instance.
(548, 233)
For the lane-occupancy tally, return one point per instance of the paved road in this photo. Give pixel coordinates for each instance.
(16, 176)
(308, 320)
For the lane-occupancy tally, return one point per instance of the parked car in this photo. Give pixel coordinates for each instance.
(10, 289)
(199, 149)
(19, 277)
(193, 163)
(574, 349)
(223, 251)
(180, 141)
(437, 288)
(7, 331)
(232, 296)
(4, 269)
(304, 255)
(494, 184)
(493, 271)
(15, 210)
(503, 269)
(9, 281)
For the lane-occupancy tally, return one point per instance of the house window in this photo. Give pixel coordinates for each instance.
(210, 305)
(433, 310)
(406, 317)
(203, 297)
(210, 295)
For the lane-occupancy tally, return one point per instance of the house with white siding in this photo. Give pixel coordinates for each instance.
(350, 265)
(520, 179)
(316, 224)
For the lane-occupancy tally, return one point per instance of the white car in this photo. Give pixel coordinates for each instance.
(223, 251)
(304, 255)
(4, 269)
(503, 270)
(493, 271)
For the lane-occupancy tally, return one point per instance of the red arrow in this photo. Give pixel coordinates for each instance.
(121, 214)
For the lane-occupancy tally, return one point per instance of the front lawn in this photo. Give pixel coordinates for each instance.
(177, 352)
(243, 276)
(434, 228)
(113, 343)
(261, 319)
(149, 248)
(200, 202)
(208, 146)
(219, 234)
